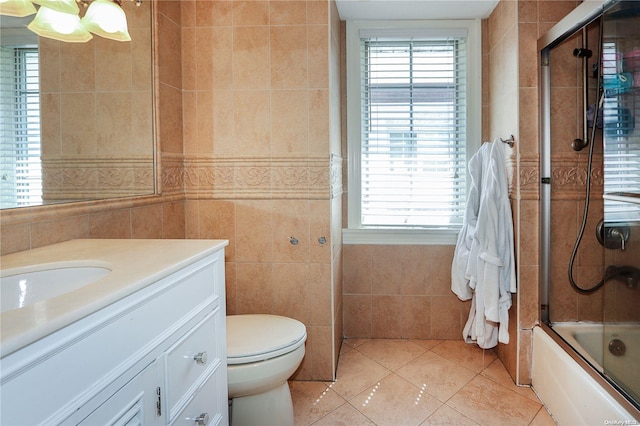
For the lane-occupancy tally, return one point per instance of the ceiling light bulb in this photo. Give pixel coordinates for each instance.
(18, 8)
(106, 19)
(63, 6)
(59, 26)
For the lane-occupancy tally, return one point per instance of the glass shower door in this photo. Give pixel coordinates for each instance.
(620, 231)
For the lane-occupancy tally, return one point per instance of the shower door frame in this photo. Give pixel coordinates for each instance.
(584, 14)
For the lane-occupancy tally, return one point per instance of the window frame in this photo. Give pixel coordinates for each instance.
(21, 135)
(356, 233)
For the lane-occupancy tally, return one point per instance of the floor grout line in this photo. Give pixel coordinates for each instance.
(460, 356)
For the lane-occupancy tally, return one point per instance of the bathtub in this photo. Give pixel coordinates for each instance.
(573, 390)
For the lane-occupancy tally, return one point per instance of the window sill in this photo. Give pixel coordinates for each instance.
(399, 236)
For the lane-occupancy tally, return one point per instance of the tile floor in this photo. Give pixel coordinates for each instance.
(416, 382)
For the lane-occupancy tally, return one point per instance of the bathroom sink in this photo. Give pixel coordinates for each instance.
(21, 287)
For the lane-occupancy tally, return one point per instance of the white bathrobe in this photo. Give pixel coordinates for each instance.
(486, 255)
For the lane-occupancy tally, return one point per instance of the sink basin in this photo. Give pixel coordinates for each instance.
(26, 286)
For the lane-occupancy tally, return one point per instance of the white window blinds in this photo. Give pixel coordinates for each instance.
(621, 142)
(20, 169)
(414, 131)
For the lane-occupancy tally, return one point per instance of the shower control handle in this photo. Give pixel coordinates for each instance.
(612, 236)
(617, 233)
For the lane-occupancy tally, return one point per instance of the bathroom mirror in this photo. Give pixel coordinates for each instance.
(76, 119)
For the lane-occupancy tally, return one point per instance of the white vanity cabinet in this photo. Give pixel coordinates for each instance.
(154, 357)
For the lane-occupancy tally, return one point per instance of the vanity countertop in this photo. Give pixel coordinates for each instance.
(134, 265)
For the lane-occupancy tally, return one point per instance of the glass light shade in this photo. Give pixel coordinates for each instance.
(63, 6)
(59, 26)
(106, 19)
(19, 8)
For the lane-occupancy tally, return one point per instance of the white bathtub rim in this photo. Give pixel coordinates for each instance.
(564, 329)
(570, 394)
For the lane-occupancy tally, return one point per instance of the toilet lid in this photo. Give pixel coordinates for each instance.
(257, 337)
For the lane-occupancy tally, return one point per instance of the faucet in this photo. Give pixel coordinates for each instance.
(629, 275)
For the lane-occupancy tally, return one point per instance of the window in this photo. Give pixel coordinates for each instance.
(621, 147)
(413, 108)
(20, 170)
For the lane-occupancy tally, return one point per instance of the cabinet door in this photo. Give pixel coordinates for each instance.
(135, 404)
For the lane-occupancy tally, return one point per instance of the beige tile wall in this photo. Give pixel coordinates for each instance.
(401, 291)
(258, 91)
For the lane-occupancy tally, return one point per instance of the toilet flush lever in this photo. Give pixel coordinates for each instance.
(200, 358)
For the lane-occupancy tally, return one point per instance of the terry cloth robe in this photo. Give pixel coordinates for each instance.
(491, 263)
(466, 243)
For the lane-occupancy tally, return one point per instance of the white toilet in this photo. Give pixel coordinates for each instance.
(263, 351)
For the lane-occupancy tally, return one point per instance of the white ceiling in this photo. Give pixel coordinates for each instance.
(369, 10)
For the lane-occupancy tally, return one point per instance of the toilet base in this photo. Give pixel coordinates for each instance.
(271, 408)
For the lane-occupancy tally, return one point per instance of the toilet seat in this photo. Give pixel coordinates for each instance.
(258, 337)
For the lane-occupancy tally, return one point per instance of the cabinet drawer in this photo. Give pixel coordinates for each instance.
(187, 362)
(210, 402)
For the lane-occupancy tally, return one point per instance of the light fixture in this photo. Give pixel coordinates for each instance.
(63, 6)
(59, 26)
(18, 8)
(106, 19)
(60, 19)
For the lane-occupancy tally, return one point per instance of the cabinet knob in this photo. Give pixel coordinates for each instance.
(202, 419)
(201, 357)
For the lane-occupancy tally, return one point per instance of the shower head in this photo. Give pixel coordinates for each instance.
(580, 52)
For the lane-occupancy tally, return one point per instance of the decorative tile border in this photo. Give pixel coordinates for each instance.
(568, 176)
(88, 178)
(253, 177)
